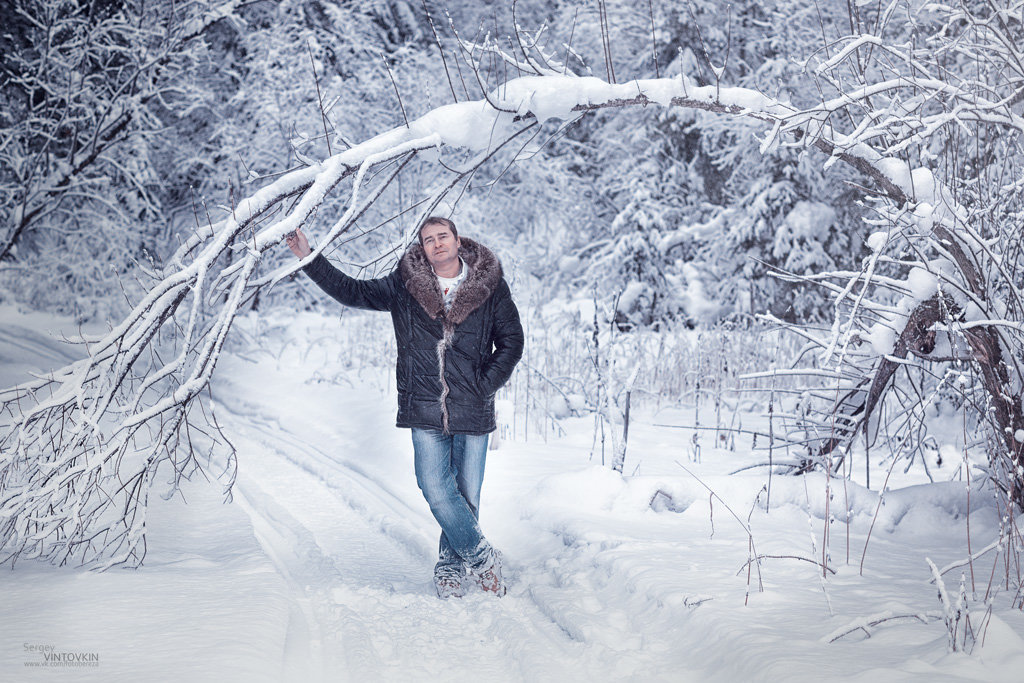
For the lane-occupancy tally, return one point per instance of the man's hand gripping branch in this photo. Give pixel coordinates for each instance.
(298, 243)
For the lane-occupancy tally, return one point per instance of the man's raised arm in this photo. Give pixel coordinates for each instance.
(376, 295)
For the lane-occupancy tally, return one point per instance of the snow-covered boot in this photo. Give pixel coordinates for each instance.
(448, 583)
(487, 574)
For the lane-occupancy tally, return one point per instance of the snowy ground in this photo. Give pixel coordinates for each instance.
(320, 569)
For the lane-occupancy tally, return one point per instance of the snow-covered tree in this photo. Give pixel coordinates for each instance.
(927, 102)
(941, 283)
(88, 91)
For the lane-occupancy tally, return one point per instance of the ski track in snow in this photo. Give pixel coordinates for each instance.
(359, 559)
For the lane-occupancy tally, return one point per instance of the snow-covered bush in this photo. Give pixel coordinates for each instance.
(579, 362)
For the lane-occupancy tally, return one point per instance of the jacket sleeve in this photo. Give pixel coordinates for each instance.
(376, 295)
(507, 336)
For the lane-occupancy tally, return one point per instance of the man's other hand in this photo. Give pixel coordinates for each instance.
(298, 243)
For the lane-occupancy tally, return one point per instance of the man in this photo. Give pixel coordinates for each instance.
(459, 338)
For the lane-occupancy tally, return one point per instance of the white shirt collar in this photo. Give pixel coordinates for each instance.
(462, 273)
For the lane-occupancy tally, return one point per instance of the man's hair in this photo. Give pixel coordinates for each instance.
(438, 220)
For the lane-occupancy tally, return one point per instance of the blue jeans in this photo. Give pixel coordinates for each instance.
(450, 472)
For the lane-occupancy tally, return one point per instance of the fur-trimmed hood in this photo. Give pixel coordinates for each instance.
(483, 276)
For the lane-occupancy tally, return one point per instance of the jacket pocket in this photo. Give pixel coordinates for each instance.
(483, 387)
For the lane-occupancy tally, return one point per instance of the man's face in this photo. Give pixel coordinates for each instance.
(441, 246)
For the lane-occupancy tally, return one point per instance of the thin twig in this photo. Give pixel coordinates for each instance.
(319, 98)
(395, 86)
(437, 41)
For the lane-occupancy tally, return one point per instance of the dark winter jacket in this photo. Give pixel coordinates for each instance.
(450, 363)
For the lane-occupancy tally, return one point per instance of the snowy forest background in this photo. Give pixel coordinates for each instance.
(153, 116)
(802, 228)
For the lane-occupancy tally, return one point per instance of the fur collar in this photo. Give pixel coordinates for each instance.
(481, 280)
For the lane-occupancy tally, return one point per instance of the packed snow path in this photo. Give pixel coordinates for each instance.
(357, 552)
